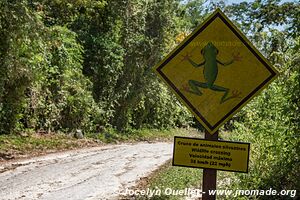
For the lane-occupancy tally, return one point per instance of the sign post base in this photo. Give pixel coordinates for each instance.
(209, 175)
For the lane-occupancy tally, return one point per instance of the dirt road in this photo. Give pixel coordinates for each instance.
(91, 174)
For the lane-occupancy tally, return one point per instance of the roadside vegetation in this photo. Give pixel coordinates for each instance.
(149, 135)
(169, 178)
(32, 143)
(86, 65)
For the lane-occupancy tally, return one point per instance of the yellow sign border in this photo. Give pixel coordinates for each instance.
(221, 141)
(218, 13)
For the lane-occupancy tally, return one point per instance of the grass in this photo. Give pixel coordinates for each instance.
(15, 146)
(170, 177)
(112, 136)
(178, 178)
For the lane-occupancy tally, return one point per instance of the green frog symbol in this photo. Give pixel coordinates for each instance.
(210, 72)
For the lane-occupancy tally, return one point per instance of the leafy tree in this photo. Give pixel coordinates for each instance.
(20, 47)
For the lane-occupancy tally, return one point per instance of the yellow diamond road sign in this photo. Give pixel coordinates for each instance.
(215, 71)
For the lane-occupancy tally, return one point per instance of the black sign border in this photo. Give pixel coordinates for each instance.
(173, 164)
(212, 127)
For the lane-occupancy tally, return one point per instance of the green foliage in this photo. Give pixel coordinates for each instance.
(122, 45)
(271, 121)
(16, 145)
(274, 144)
(112, 136)
(160, 111)
(265, 14)
(145, 37)
(21, 42)
(62, 97)
(86, 65)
